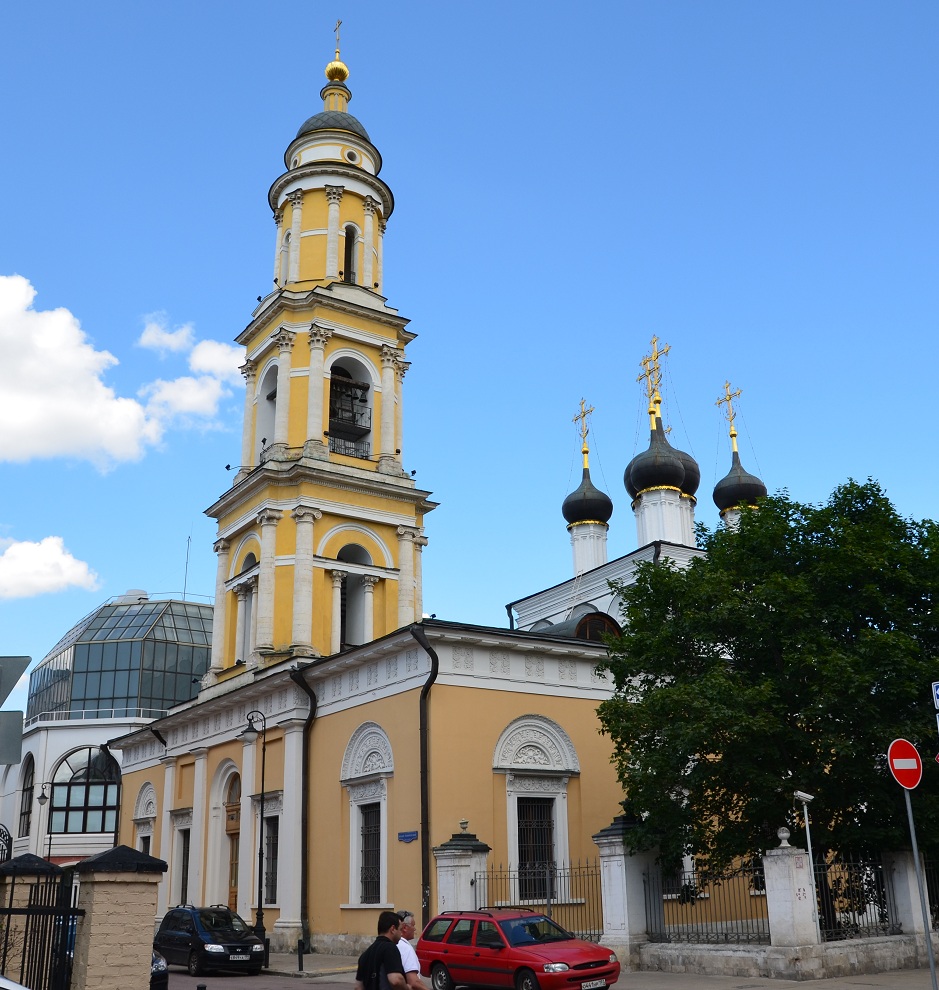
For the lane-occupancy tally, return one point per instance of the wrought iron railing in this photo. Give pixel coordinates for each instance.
(854, 898)
(568, 893)
(351, 448)
(707, 906)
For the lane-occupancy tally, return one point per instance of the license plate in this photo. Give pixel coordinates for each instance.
(246, 958)
(592, 984)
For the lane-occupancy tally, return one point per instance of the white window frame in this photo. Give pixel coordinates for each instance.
(367, 766)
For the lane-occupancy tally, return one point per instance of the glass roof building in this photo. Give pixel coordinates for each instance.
(129, 658)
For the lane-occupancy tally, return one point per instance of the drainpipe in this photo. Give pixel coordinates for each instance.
(296, 675)
(417, 631)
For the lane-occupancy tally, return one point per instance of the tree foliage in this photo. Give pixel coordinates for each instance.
(788, 657)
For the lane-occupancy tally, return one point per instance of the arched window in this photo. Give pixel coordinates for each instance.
(233, 832)
(266, 409)
(350, 413)
(26, 803)
(86, 788)
(348, 259)
(353, 605)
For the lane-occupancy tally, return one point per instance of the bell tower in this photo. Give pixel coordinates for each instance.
(320, 536)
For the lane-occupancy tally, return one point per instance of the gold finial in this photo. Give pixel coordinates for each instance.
(584, 429)
(337, 70)
(728, 398)
(652, 373)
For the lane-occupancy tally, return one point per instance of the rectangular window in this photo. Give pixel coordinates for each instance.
(183, 865)
(370, 873)
(145, 844)
(536, 863)
(271, 837)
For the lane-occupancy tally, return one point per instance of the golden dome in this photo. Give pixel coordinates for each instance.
(337, 70)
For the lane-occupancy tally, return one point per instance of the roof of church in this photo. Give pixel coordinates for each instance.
(333, 120)
(737, 486)
(587, 503)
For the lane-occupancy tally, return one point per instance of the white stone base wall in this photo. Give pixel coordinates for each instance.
(340, 945)
(852, 957)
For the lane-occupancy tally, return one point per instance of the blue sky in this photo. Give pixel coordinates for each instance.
(754, 183)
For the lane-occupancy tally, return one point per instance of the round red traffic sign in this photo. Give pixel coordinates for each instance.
(904, 763)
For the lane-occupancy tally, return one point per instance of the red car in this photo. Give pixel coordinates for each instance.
(504, 948)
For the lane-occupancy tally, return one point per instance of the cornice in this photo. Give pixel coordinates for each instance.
(319, 295)
(334, 169)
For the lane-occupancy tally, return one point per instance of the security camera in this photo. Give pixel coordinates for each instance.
(803, 797)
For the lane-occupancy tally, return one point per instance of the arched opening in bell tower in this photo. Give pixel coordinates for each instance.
(350, 408)
(352, 612)
(266, 410)
(351, 235)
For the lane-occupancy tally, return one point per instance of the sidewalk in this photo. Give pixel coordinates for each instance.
(341, 969)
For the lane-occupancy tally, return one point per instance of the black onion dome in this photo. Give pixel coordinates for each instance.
(587, 503)
(660, 466)
(333, 120)
(692, 473)
(738, 486)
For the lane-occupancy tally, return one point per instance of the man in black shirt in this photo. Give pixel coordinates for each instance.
(380, 964)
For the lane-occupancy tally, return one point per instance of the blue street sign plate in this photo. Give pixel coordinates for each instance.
(935, 693)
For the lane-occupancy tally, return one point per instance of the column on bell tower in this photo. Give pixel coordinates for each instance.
(284, 341)
(319, 338)
(296, 214)
(333, 199)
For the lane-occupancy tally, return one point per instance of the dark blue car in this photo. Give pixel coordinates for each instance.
(207, 938)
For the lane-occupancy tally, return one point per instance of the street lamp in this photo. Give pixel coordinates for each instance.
(42, 799)
(806, 799)
(249, 734)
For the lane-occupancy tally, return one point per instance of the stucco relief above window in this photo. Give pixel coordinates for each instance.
(368, 752)
(535, 741)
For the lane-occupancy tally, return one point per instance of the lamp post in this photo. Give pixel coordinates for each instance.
(805, 799)
(42, 799)
(249, 734)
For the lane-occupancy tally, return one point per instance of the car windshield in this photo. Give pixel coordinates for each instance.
(534, 928)
(218, 919)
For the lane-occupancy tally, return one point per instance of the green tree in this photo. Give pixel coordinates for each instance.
(788, 657)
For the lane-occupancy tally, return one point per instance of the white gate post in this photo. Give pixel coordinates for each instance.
(459, 859)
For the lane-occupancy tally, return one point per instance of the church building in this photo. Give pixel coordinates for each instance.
(340, 739)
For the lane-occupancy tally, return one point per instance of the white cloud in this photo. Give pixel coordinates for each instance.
(157, 337)
(28, 569)
(184, 398)
(53, 402)
(212, 357)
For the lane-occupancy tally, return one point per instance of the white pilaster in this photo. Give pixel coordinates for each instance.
(166, 830)
(222, 548)
(250, 371)
(406, 538)
(267, 519)
(289, 854)
(401, 369)
(314, 411)
(335, 640)
(248, 843)
(387, 439)
(296, 212)
(419, 545)
(333, 199)
(380, 274)
(368, 626)
(278, 244)
(368, 247)
(241, 593)
(284, 341)
(198, 846)
(304, 516)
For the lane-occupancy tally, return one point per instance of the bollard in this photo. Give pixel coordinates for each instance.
(299, 955)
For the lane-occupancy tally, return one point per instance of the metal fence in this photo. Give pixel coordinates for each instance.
(855, 898)
(568, 893)
(700, 905)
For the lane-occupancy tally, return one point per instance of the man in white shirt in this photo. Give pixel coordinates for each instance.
(412, 968)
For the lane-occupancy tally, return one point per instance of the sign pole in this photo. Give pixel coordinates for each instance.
(922, 894)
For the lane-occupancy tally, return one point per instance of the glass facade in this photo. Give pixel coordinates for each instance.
(125, 659)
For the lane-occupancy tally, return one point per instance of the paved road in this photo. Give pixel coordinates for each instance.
(321, 972)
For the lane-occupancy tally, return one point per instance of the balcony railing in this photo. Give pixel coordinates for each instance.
(351, 448)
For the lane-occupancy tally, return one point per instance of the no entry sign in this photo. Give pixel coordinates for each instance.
(905, 764)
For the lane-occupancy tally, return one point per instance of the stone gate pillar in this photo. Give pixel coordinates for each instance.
(459, 859)
(114, 939)
(622, 886)
(790, 902)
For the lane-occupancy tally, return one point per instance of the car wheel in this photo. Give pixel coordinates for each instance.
(195, 964)
(526, 980)
(440, 978)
